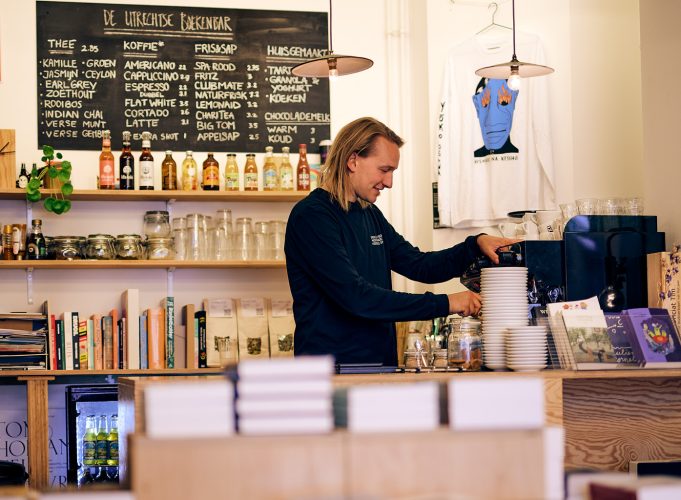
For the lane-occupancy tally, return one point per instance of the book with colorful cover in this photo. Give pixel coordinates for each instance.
(75, 337)
(620, 336)
(98, 342)
(657, 341)
(557, 326)
(60, 343)
(82, 344)
(107, 343)
(90, 344)
(52, 343)
(130, 310)
(144, 342)
(168, 305)
(203, 355)
(587, 333)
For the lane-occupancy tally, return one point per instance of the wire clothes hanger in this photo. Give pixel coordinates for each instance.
(493, 24)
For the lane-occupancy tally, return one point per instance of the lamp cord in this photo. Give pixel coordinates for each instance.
(331, 29)
(513, 7)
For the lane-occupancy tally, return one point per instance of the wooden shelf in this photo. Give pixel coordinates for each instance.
(26, 374)
(158, 195)
(142, 264)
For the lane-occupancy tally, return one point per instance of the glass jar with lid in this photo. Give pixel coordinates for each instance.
(67, 247)
(464, 346)
(129, 247)
(100, 247)
(160, 249)
(157, 224)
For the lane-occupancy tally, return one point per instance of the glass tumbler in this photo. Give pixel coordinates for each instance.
(195, 239)
(243, 239)
(260, 242)
(223, 234)
(208, 234)
(276, 234)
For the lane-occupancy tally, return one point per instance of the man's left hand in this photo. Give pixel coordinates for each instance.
(489, 244)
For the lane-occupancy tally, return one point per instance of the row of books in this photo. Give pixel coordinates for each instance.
(23, 340)
(587, 338)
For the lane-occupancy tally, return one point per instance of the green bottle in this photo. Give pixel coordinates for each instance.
(89, 441)
(101, 444)
(112, 441)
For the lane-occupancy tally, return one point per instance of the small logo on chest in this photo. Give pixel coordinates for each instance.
(377, 239)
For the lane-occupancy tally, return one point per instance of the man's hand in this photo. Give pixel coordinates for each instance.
(465, 303)
(488, 245)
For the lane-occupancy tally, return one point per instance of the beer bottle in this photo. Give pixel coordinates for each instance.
(112, 440)
(89, 441)
(22, 181)
(36, 247)
(101, 444)
(168, 172)
(250, 173)
(211, 174)
(146, 163)
(303, 170)
(270, 174)
(231, 173)
(126, 165)
(189, 179)
(285, 171)
(107, 179)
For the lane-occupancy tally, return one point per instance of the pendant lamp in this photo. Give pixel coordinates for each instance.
(514, 69)
(332, 65)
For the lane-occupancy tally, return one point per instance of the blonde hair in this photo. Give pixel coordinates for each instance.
(356, 137)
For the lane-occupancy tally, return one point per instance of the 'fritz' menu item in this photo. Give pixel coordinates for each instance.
(282, 327)
(252, 324)
(657, 343)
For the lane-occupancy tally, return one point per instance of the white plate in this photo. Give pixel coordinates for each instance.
(514, 351)
(530, 360)
(530, 328)
(526, 345)
(527, 368)
(503, 270)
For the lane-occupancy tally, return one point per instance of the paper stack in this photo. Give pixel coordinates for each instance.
(201, 408)
(285, 395)
(393, 407)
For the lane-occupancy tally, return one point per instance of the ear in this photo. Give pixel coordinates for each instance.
(352, 162)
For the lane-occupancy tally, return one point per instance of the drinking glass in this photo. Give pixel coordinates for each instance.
(608, 206)
(632, 206)
(195, 238)
(243, 239)
(587, 206)
(276, 234)
(260, 242)
(223, 234)
(208, 237)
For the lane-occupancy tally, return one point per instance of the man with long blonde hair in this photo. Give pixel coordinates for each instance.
(340, 251)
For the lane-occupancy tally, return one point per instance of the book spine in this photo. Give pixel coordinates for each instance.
(82, 344)
(107, 334)
(67, 341)
(144, 342)
(52, 343)
(59, 337)
(98, 342)
(170, 331)
(203, 354)
(120, 347)
(90, 344)
(75, 338)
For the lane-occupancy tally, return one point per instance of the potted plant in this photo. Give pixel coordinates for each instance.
(58, 170)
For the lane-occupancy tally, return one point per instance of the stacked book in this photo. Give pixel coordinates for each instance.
(23, 341)
(285, 395)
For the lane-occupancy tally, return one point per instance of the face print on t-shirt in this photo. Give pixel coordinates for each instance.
(495, 103)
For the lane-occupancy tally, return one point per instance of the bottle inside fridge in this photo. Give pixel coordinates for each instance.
(92, 434)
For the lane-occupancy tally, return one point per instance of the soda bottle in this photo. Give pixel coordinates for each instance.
(250, 173)
(211, 174)
(112, 440)
(231, 173)
(89, 441)
(101, 443)
(107, 180)
(285, 171)
(146, 163)
(303, 170)
(22, 181)
(36, 247)
(270, 174)
(189, 179)
(168, 172)
(126, 165)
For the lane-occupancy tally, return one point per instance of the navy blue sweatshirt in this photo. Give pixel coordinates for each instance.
(339, 266)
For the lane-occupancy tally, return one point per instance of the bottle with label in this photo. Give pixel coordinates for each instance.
(19, 241)
(107, 179)
(22, 180)
(7, 242)
(285, 171)
(126, 165)
(189, 177)
(231, 173)
(146, 163)
(168, 172)
(36, 246)
(211, 174)
(112, 440)
(250, 173)
(89, 441)
(303, 169)
(101, 444)
(270, 174)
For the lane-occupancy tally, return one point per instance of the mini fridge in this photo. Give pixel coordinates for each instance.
(92, 433)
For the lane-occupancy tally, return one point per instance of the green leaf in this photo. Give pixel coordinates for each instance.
(66, 166)
(64, 176)
(33, 197)
(34, 183)
(67, 206)
(43, 159)
(67, 189)
(52, 172)
(49, 203)
(48, 151)
(59, 156)
(57, 206)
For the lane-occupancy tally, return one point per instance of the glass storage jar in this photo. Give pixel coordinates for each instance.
(157, 224)
(464, 346)
(129, 247)
(67, 247)
(100, 247)
(160, 249)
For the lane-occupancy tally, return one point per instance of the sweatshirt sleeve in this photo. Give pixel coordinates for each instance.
(314, 244)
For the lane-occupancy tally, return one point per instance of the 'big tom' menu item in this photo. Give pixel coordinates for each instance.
(197, 78)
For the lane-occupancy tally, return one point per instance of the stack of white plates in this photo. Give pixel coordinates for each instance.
(504, 304)
(526, 348)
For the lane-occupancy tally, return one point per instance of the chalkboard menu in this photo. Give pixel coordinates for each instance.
(196, 78)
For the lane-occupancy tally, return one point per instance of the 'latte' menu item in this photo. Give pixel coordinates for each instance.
(196, 78)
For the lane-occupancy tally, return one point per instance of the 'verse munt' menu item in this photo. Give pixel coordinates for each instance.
(205, 79)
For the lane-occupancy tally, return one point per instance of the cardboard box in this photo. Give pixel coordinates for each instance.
(664, 282)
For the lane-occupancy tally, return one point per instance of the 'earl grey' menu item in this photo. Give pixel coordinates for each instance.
(198, 78)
